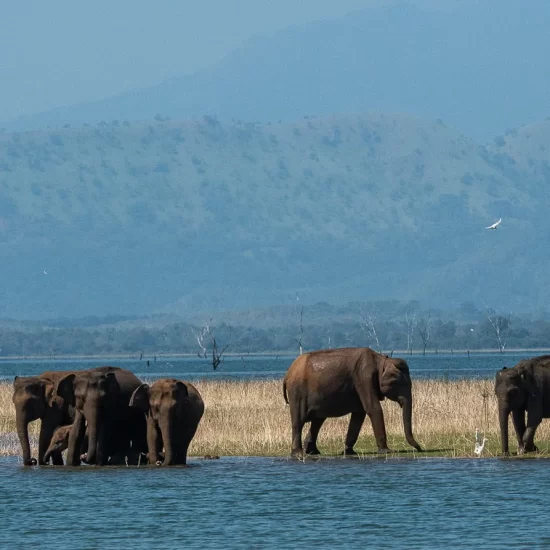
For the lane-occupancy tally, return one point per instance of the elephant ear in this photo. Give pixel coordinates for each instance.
(140, 398)
(65, 388)
(112, 383)
(182, 389)
(390, 373)
(49, 393)
(528, 380)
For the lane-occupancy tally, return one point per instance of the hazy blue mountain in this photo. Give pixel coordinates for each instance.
(199, 216)
(482, 68)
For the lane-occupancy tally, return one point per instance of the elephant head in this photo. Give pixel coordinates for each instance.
(33, 398)
(162, 403)
(513, 388)
(94, 395)
(59, 442)
(395, 384)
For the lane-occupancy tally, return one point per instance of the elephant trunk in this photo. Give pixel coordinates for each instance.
(48, 454)
(406, 405)
(92, 421)
(503, 413)
(23, 434)
(166, 429)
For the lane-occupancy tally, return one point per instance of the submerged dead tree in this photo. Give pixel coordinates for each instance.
(410, 321)
(501, 327)
(368, 324)
(301, 325)
(299, 312)
(202, 336)
(425, 330)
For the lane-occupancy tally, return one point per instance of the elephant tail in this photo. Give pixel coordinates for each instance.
(284, 391)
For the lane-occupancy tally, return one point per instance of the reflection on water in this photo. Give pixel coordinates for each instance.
(238, 368)
(278, 503)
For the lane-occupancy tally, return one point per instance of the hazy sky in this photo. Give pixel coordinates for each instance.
(64, 51)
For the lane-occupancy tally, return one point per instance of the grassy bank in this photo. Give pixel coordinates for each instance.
(251, 418)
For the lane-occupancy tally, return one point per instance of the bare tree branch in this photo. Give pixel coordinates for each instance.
(300, 319)
(501, 327)
(425, 330)
(217, 357)
(301, 330)
(368, 324)
(200, 336)
(410, 320)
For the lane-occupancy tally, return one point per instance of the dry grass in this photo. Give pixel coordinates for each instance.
(251, 418)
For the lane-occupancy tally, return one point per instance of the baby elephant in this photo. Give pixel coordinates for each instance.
(59, 442)
(173, 409)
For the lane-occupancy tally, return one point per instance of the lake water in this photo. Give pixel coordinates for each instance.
(279, 503)
(192, 368)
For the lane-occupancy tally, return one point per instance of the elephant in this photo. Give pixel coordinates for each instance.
(101, 396)
(60, 441)
(520, 389)
(173, 409)
(335, 382)
(33, 398)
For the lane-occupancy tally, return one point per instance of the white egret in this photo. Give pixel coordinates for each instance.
(479, 444)
(495, 225)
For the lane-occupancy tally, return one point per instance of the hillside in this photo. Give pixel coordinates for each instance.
(482, 67)
(192, 216)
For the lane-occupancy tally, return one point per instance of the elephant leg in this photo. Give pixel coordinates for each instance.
(154, 441)
(181, 457)
(355, 423)
(529, 435)
(76, 436)
(518, 417)
(48, 426)
(311, 438)
(371, 404)
(298, 420)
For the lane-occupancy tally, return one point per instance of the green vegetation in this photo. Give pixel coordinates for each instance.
(385, 326)
(250, 418)
(200, 215)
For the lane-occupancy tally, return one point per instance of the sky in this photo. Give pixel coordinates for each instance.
(63, 52)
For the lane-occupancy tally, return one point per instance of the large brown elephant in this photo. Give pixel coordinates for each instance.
(101, 396)
(336, 382)
(525, 388)
(173, 409)
(33, 398)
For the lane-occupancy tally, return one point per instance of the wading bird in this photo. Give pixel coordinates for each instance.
(480, 444)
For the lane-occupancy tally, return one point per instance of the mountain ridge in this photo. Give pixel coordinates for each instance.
(460, 66)
(204, 215)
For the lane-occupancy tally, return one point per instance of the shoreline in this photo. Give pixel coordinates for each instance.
(272, 354)
(250, 418)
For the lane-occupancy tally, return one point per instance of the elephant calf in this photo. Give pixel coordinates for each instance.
(59, 442)
(174, 410)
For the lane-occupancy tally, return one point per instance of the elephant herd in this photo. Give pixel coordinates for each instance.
(106, 415)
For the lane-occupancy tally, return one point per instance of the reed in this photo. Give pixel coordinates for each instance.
(250, 418)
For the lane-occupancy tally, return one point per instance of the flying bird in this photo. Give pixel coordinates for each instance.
(45, 272)
(495, 225)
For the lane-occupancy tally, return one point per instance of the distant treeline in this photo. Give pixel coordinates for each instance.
(416, 332)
